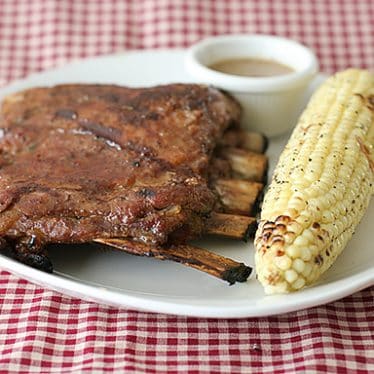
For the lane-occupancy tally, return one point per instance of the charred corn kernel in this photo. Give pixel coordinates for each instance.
(321, 186)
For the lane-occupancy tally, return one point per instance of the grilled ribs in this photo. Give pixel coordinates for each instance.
(86, 162)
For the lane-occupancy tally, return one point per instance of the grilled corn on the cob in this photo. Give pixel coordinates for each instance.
(321, 186)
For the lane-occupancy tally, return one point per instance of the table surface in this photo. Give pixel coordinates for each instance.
(43, 331)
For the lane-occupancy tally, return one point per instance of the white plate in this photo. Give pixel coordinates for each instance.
(123, 280)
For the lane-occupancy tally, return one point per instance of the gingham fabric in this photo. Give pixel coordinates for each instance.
(42, 331)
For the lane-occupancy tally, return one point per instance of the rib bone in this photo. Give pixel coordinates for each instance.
(231, 226)
(251, 141)
(195, 257)
(245, 164)
(239, 196)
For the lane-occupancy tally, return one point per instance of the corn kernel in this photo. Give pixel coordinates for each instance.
(283, 262)
(299, 283)
(290, 276)
(307, 270)
(294, 251)
(298, 265)
(301, 241)
(305, 254)
(308, 235)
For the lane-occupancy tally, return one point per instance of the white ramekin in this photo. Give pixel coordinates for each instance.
(270, 105)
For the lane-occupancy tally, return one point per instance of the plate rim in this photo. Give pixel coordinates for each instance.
(93, 293)
(65, 285)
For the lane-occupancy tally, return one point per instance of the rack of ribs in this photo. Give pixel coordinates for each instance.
(142, 170)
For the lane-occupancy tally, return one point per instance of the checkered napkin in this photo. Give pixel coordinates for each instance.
(42, 331)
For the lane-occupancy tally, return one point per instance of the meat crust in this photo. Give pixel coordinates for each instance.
(80, 162)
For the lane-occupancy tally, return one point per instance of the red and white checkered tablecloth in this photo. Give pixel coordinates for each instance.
(43, 331)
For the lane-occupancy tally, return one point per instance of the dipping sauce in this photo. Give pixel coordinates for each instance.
(251, 67)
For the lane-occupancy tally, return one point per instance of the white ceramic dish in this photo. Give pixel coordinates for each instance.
(127, 281)
(283, 93)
